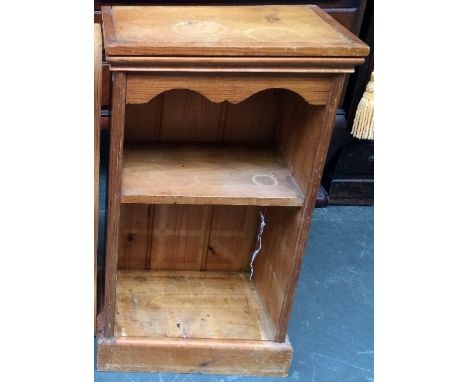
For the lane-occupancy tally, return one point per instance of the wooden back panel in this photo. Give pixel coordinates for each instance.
(184, 115)
(187, 237)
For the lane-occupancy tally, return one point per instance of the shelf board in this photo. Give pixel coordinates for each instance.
(189, 305)
(207, 174)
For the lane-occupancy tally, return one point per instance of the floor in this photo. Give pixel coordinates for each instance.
(332, 323)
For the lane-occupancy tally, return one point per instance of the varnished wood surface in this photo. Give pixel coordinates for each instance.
(206, 174)
(186, 116)
(106, 85)
(185, 355)
(113, 204)
(97, 134)
(187, 237)
(235, 64)
(142, 87)
(270, 30)
(159, 316)
(175, 304)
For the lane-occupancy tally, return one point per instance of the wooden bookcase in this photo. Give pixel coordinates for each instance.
(221, 119)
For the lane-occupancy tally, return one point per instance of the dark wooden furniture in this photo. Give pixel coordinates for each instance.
(221, 119)
(349, 174)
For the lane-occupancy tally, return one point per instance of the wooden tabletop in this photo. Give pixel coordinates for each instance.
(268, 30)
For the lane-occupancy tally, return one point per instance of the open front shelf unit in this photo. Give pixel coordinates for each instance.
(213, 159)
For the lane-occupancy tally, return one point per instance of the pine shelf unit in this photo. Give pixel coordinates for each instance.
(221, 118)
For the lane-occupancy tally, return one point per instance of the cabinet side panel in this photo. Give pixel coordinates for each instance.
(298, 135)
(302, 138)
(273, 265)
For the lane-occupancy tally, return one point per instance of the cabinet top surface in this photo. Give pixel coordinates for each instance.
(269, 30)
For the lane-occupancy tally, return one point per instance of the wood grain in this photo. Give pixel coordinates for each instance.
(180, 304)
(187, 237)
(272, 30)
(233, 233)
(216, 97)
(179, 237)
(106, 85)
(195, 120)
(185, 355)
(183, 115)
(113, 206)
(206, 174)
(142, 87)
(135, 241)
(304, 150)
(235, 64)
(97, 134)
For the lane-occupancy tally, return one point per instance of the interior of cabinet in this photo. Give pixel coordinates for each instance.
(196, 178)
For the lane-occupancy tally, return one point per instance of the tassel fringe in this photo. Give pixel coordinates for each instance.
(363, 126)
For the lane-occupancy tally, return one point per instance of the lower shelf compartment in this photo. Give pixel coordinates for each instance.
(189, 305)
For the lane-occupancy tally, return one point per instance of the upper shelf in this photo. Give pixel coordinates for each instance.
(206, 174)
(242, 31)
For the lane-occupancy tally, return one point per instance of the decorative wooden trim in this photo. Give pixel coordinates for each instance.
(194, 356)
(236, 64)
(141, 87)
(114, 191)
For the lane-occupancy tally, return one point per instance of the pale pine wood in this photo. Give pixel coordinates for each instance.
(185, 355)
(245, 88)
(253, 120)
(169, 304)
(179, 237)
(199, 120)
(136, 221)
(277, 270)
(97, 132)
(142, 87)
(273, 30)
(143, 121)
(206, 174)
(232, 237)
(113, 206)
(236, 64)
(187, 237)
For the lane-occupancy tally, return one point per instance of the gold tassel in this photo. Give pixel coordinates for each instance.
(363, 126)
